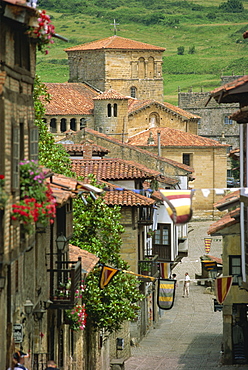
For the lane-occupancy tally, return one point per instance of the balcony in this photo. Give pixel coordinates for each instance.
(145, 215)
(64, 282)
(149, 267)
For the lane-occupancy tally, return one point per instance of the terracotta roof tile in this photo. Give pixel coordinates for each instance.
(146, 152)
(172, 137)
(230, 199)
(112, 168)
(241, 116)
(135, 105)
(110, 94)
(126, 198)
(115, 42)
(216, 259)
(88, 260)
(78, 149)
(70, 98)
(229, 219)
(65, 188)
(230, 85)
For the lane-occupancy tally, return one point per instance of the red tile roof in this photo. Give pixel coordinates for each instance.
(115, 42)
(88, 260)
(241, 116)
(172, 137)
(229, 219)
(216, 259)
(126, 198)
(78, 149)
(110, 94)
(230, 85)
(70, 98)
(112, 169)
(65, 188)
(135, 105)
(228, 200)
(143, 151)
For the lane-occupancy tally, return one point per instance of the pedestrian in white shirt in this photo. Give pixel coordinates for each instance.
(18, 361)
(186, 285)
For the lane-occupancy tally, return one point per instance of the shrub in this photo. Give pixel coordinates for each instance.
(180, 50)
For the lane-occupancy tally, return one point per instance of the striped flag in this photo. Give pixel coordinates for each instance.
(164, 268)
(166, 293)
(209, 265)
(106, 276)
(207, 242)
(222, 287)
(178, 204)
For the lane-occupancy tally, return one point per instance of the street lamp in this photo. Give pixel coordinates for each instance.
(61, 242)
(28, 307)
(38, 314)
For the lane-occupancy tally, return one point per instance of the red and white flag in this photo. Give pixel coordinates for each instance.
(222, 287)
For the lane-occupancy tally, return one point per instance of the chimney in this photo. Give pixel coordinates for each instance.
(87, 151)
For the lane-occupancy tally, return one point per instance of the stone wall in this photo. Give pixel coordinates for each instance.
(213, 123)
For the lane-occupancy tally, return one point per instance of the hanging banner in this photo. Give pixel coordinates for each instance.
(178, 204)
(166, 293)
(164, 268)
(207, 243)
(209, 265)
(107, 275)
(222, 287)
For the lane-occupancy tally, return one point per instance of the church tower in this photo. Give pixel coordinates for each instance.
(130, 67)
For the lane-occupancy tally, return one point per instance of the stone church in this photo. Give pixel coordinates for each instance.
(130, 67)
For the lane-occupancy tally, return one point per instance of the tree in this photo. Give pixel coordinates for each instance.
(180, 50)
(98, 230)
(232, 6)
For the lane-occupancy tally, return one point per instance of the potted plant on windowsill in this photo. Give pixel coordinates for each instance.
(37, 204)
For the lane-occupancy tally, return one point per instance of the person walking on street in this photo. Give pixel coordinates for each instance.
(186, 285)
(18, 361)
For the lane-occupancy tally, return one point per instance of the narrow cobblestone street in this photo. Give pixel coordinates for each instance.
(189, 335)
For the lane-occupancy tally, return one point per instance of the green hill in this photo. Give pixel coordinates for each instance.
(209, 37)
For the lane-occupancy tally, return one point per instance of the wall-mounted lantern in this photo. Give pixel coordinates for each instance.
(28, 307)
(61, 242)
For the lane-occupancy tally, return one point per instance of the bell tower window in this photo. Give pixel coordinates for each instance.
(109, 110)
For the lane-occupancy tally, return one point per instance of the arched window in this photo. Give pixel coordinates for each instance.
(141, 68)
(109, 110)
(63, 125)
(53, 125)
(154, 120)
(150, 67)
(73, 124)
(133, 91)
(115, 110)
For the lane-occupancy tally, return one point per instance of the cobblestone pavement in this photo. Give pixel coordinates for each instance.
(189, 335)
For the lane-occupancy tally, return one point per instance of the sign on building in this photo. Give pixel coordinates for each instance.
(18, 333)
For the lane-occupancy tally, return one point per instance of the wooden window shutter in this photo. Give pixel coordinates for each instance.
(15, 157)
(33, 143)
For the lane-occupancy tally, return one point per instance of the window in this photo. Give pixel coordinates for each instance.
(82, 123)
(115, 110)
(53, 125)
(141, 68)
(22, 52)
(162, 242)
(73, 124)
(109, 110)
(235, 268)
(187, 159)
(150, 67)
(63, 125)
(227, 120)
(133, 91)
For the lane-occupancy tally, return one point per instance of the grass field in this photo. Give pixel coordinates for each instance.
(219, 46)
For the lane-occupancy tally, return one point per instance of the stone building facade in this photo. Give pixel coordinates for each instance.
(215, 122)
(132, 68)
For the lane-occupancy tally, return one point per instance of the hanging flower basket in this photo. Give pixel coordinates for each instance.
(37, 204)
